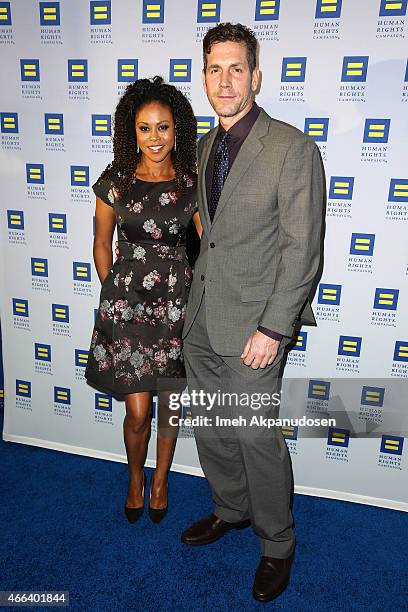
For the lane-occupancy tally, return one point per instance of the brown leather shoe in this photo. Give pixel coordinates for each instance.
(271, 578)
(208, 530)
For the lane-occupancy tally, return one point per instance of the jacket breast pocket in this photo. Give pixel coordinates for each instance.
(256, 293)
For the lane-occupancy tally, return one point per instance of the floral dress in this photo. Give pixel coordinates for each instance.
(137, 334)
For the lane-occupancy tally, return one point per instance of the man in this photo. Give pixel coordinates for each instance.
(260, 202)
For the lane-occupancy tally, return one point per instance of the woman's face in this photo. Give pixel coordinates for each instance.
(155, 131)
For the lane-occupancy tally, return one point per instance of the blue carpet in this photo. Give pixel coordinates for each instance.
(63, 528)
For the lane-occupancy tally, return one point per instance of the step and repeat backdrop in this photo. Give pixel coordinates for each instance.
(336, 69)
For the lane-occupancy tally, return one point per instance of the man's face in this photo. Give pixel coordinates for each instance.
(228, 82)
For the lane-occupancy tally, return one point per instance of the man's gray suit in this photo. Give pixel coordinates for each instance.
(257, 262)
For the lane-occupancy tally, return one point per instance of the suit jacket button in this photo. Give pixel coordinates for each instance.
(202, 277)
(212, 245)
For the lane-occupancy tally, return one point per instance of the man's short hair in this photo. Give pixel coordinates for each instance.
(237, 32)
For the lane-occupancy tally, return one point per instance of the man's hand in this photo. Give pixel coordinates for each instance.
(259, 350)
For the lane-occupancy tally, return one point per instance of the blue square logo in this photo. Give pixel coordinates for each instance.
(362, 244)
(376, 130)
(23, 388)
(81, 358)
(319, 389)
(42, 352)
(30, 69)
(20, 307)
(57, 223)
(101, 125)
(401, 351)
(393, 8)
(204, 125)
(267, 10)
(180, 71)
(398, 191)
(39, 267)
(79, 176)
(62, 395)
(5, 14)
(350, 346)
(338, 437)
(341, 188)
(317, 128)
(103, 402)
(15, 219)
(53, 123)
(60, 313)
(77, 70)
(354, 68)
(386, 299)
(35, 174)
(372, 396)
(153, 11)
(329, 294)
(100, 12)
(128, 70)
(290, 432)
(208, 11)
(300, 341)
(81, 271)
(392, 445)
(50, 14)
(328, 8)
(9, 123)
(293, 69)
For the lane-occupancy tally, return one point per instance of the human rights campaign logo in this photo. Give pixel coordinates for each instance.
(204, 125)
(101, 125)
(319, 389)
(372, 396)
(60, 313)
(329, 294)
(42, 352)
(208, 11)
(30, 69)
(81, 358)
(20, 307)
(300, 341)
(354, 68)
(62, 395)
(338, 437)
(293, 69)
(81, 271)
(349, 346)
(317, 128)
(103, 402)
(35, 174)
(267, 10)
(398, 191)
(290, 432)
(328, 8)
(100, 12)
(39, 267)
(80, 176)
(341, 187)
(15, 219)
(362, 244)
(57, 223)
(5, 14)
(376, 130)
(9, 123)
(50, 14)
(128, 70)
(153, 11)
(54, 123)
(392, 445)
(23, 388)
(180, 71)
(401, 351)
(386, 299)
(77, 70)
(393, 8)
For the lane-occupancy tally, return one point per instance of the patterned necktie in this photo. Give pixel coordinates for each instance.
(220, 172)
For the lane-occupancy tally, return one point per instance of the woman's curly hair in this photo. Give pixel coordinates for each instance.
(121, 170)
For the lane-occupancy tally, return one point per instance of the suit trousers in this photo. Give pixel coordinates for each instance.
(243, 456)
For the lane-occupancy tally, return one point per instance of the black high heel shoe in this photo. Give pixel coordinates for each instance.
(134, 514)
(157, 514)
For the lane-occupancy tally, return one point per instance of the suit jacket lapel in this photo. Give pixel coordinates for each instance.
(250, 148)
(201, 177)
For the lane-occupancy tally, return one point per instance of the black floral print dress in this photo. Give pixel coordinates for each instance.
(137, 335)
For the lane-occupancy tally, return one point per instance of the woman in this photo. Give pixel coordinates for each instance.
(149, 193)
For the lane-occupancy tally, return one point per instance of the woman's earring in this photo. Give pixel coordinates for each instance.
(175, 142)
(137, 149)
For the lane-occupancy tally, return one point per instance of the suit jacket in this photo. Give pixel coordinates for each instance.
(259, 256)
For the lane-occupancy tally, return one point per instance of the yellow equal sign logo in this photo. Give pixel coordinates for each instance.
(376, 130)
(354, 68)
(61, 395)
(180, 70)
(329, 294)
(103, 402)
(328, 6)
(386, 298)
(39, 266)
(20, 307)
(81, 358)
(30, 70)
(42, 352)
(80, 176)
(400, 190)
(293, 69)
(316, 129)
(53, 123)
(101, 125)
(60, 313)
(81, 270)
(100, 12)
(209, 9)
(127, 70)
(77, 70)
(341, 187)
(57, 222)
(338, 436)
(9, 123)
(350, 346)
(204, 125)
(23, 388)
(15, 218)
(49, 13)
(4, 13)
(319, 389)
(34, 173)
(393, 6)
(153, 10)
(267, 7)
